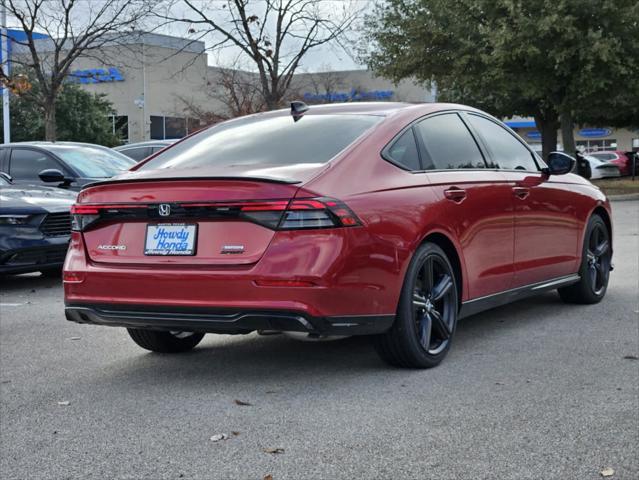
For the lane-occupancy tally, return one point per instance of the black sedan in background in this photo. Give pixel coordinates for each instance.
(35, 227)
(61, 164)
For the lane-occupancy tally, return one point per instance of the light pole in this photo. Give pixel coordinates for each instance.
(6, 122)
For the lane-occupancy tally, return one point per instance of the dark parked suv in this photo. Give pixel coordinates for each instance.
(35, 227)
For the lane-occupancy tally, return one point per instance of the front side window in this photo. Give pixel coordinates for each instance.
(404, 151)
(258, 141)
(447, 144)
(506, 151)
(27, 164)
(92, 161)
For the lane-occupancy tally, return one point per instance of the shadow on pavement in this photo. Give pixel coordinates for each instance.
(275, 360)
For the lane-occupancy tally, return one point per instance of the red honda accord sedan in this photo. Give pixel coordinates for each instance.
(383, 219)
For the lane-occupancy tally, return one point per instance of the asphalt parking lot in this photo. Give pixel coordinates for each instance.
(533, 390)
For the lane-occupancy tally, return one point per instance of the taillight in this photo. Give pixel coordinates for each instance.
(302, 213)
(82, 216)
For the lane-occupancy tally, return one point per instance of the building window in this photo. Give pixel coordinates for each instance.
(598, 145)
(164, 128)
(174, 127)
(120, 127)
(157, 128)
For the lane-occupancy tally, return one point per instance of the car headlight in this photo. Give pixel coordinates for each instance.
(12, 219)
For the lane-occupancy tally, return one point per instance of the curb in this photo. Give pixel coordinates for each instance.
(623, 198)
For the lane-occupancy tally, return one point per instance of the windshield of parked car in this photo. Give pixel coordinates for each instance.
(266, 141)
(92, 161)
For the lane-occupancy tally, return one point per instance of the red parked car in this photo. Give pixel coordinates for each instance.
(382, 219)
(616, 157)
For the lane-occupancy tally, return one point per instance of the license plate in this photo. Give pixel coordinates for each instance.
(170, 239)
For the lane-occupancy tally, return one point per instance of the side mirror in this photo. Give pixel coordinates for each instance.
(52, 175)
(559, 163)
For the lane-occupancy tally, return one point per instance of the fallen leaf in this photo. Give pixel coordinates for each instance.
(607, 472)
(74, 338)
(268, 477)
(218, 437)
(498, 383)
(631, 357)
(241, 403)
(63, 403)
(235, 434)
(274, 450)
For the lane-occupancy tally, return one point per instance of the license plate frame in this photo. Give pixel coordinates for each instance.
(157, 252)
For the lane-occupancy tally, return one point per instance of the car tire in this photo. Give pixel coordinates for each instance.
(595, 266)
(426, 318)
(165, 342)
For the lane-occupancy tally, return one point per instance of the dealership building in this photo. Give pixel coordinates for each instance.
(160, 86)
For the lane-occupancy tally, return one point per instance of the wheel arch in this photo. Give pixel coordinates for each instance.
(451, 251)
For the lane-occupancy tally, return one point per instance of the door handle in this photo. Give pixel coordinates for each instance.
(455, 194)
(521, 192)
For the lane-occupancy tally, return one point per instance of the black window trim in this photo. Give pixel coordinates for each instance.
(384, 153)
(64, 168)
(538, 162)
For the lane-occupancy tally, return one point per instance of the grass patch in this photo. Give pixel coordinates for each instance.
(618, 186)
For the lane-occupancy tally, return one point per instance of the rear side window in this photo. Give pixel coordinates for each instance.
(447, 144)
(27, 164)
(506, 151)
(404, 151)
(266, 141)
(137, 153)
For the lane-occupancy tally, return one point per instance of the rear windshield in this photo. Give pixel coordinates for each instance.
(266, 141)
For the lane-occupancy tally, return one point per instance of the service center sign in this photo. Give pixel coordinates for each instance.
(353, 96)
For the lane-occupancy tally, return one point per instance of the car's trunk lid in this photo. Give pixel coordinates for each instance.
(211, 212)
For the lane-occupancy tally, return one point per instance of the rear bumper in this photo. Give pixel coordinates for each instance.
(224, 321)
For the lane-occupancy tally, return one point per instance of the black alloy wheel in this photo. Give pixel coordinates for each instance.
(598, 258)
(427, 312)
(434, 304)
(596, 263)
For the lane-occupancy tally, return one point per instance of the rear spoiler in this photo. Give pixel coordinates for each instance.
(288, 181)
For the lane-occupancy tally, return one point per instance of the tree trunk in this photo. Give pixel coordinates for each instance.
(547, 123)
(50, 127)
(567, 134)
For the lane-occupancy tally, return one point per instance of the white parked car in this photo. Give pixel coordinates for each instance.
(601, 168)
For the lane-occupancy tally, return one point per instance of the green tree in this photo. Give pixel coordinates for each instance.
(81, 117)
(574, 60)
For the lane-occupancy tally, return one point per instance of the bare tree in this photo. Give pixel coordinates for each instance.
(231, 92)
(74, 29)
(238, 91)
(273, 35)
(324, 83)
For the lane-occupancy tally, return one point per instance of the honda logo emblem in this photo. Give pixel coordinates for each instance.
(164, 209)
